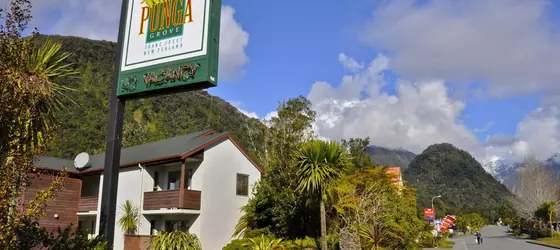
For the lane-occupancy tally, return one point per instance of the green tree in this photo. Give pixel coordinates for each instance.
(546, 212)
(276, 205)
(357, 148)
(473, 221)
(130, 217)
(368, 197)
(320, 164)
(29, 96)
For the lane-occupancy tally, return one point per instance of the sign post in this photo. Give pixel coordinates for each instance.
(163, 46)
(429, 214)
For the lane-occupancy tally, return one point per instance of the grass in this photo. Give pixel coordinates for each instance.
(523, 236)
(446, 244)
(551, 242)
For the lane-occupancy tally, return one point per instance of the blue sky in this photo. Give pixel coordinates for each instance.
(306, 43)
(479, 74)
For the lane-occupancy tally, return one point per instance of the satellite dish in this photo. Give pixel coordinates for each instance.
(81, 161)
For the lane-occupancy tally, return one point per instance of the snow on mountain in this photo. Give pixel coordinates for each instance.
(500, 168)
(504, 170)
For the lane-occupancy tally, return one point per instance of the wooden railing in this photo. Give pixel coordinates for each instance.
(86, 204)
(171, 199)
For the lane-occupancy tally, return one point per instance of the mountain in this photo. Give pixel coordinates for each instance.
(502, 170)
(464, 185)
(83, 121)
(553, 164)
(505, 171)
(390, 157)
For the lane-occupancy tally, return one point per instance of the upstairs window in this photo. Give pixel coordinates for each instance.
(177, 225)
(242, 185)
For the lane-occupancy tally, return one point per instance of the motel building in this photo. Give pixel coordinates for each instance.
(217, 177)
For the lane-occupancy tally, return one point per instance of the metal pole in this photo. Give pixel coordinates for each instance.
(113, 147)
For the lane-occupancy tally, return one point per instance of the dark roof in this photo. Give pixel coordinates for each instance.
(49, 162)
(173, 147)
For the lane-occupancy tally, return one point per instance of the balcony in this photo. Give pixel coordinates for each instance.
(172, 199)
(86, 204)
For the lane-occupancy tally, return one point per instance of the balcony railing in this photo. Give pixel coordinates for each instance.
(86, 204)
(172, 199)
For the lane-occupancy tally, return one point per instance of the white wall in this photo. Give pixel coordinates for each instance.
(131, 187)
(216, 177)
(98, 217)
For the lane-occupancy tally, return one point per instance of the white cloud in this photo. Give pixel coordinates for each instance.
(100, 19)
(420, 114)
(349, 63)
(233, 41)
(509, 44)
(237, 104)
(271, 114)
(538, 134)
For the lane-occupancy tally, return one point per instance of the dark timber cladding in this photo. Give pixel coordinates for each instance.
(179, 53)
(86, 204)
(65, 204)
(171, 199)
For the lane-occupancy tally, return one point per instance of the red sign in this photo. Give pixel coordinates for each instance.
(446, 223)
(429, 213)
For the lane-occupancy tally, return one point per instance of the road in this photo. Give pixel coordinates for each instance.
(495, 238)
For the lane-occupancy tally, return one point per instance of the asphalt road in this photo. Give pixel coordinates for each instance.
(495, 238)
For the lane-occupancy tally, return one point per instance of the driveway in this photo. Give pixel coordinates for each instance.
(495, 238)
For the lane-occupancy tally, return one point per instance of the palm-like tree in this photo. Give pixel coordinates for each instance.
(44, 66)
(130, 217)
(320, 164)
(265, 244)
(380, 233)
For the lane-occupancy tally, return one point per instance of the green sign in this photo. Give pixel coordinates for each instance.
(169, 44)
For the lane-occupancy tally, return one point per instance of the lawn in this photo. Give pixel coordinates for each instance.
(551, 242)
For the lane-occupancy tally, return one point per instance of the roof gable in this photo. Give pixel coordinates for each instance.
(176, 148)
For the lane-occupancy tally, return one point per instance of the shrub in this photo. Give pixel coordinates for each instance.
(332, 241)
(32, 236)
(257, 232)
(544, 232)
(264, 243)
(175, 241)
(302, 244)
(238, 244)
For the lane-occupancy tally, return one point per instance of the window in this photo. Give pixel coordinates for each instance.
(177, 225)
(90, 186)
(174, 180)
(156, 181)
(152, 227)
(242, 185)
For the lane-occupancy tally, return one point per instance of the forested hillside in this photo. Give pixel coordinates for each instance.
(390, 157)
(83, 121)
(464, 185)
